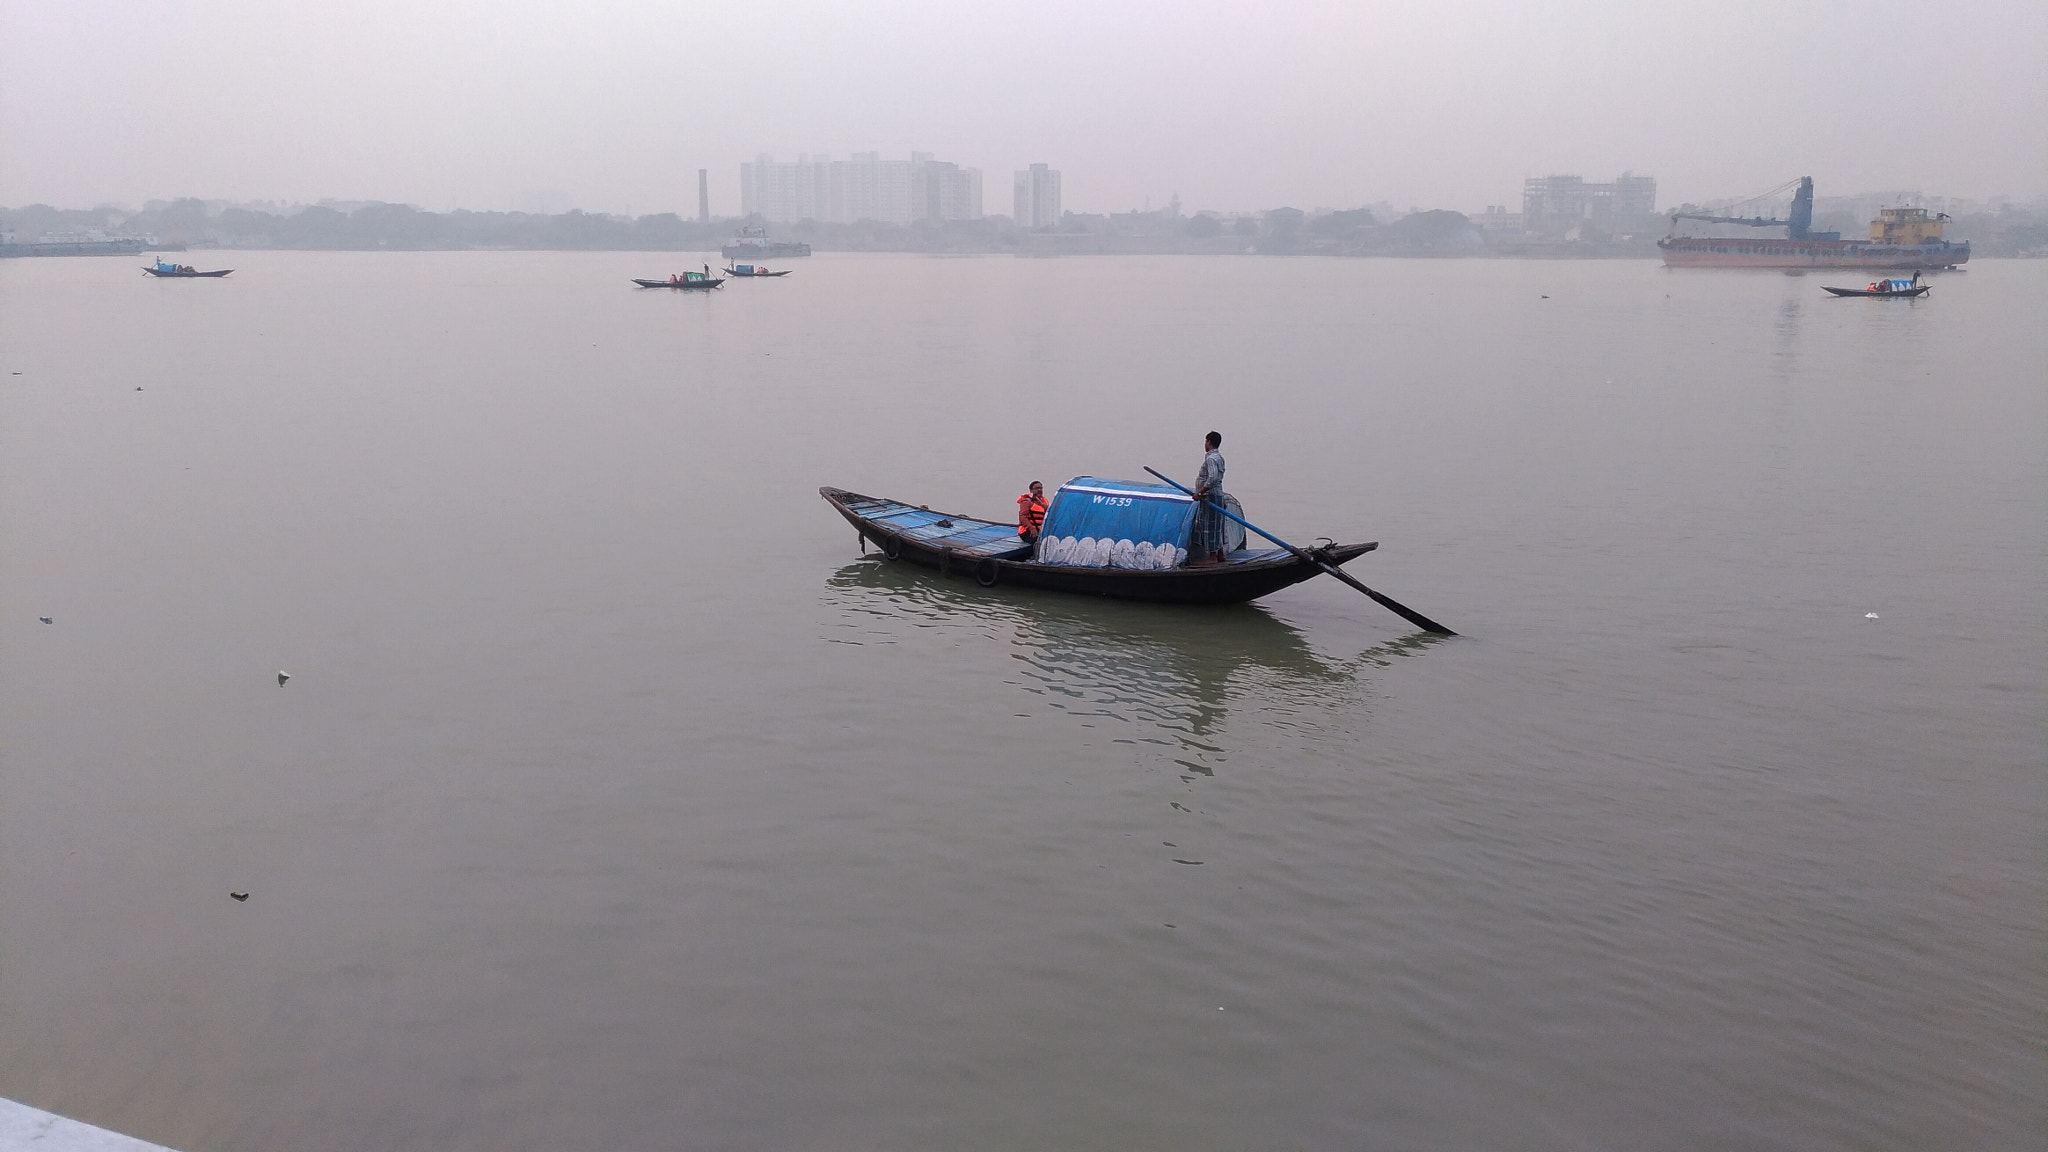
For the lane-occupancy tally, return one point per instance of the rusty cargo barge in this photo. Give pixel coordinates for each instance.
(1901, 239)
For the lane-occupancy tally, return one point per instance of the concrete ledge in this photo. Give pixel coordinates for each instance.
(26, 1129)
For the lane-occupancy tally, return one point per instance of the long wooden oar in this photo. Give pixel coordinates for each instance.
(1394, 606)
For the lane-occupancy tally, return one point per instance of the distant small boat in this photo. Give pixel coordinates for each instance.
(690, 281)
(754, 242)
(182, 271)
(1112, 565)
(1900, 288)
(754, 270)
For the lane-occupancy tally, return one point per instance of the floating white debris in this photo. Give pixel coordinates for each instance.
(1870, 615)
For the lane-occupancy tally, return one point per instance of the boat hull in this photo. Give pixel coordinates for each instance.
(1735, 252)
(213, 275)
(990, 553)
(682, 285)
(1229, 583)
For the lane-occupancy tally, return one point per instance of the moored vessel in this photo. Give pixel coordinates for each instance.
(82, 244)
(753, 243)
(1901, 239)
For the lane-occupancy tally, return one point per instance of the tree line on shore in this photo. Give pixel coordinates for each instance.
(2011, 230)
(400, 227)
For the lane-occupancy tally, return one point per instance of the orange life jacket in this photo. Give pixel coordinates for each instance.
(1030, 514)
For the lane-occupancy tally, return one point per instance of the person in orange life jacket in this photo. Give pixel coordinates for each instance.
(1031, 509)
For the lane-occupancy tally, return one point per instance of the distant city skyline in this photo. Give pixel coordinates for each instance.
(1568, 203)
(862, 187)
(864, 182)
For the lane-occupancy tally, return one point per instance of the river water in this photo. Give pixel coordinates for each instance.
(617, 801)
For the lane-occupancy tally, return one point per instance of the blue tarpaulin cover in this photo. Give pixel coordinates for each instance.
(1097, 523)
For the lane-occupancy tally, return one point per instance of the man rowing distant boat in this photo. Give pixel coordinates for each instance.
(1031, 509)
(1205, 538)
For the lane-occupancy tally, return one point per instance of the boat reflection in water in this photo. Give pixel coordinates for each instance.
(1170, 672)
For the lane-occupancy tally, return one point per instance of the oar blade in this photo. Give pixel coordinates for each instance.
(1396, 607)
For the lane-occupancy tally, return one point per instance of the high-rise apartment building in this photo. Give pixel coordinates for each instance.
(865, 187)
(1558, 204)
(944, 191)
(1038, 197)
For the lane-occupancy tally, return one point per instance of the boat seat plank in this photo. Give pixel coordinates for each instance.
(963, 536)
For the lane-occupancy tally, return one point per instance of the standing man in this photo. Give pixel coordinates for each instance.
(1031, 509)
(1205, 542)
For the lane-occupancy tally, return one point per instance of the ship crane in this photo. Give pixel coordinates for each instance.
(1798, 227)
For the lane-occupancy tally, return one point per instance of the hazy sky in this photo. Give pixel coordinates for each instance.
(612, 104)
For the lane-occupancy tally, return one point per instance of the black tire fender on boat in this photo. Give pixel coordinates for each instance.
(892, 547)
(987, 573)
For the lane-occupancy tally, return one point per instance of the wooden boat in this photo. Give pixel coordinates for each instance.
(1886, 288)
(183, 271)
(993, 554)
(754, 270)
(689, 281)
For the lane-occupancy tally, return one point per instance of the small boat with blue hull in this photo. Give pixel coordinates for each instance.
(1117, 566)
(746, 270)
(183, 271)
